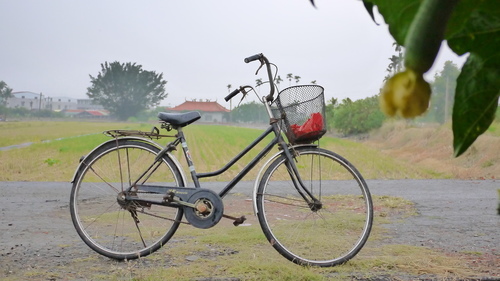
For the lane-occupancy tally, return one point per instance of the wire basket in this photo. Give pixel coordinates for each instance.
(302, 111)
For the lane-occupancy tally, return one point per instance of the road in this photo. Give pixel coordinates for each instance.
(453, 216)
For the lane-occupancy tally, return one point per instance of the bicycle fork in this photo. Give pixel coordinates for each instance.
(313, 202)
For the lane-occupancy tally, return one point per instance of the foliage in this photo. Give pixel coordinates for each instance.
(330, 112)
(250, 112)
(356, 117)
(473, 27)
(21, 112)
(5, 92)
(126, 89)
(443, 93)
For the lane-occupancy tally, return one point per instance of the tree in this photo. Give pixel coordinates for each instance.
(297, 79)
(396, 64)
(278, 80)
(443, 92)
(357, 117)
(250, 112)
(468, 26)
(126, 89)
(5, 93)
(289, 76)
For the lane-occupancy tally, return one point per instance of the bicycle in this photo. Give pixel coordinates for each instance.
(130, 194)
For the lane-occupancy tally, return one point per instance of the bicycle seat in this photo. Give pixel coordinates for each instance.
(179, 119)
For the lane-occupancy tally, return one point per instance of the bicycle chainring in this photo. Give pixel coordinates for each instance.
(207, 211)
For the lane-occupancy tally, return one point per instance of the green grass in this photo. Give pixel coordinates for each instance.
(211, 147)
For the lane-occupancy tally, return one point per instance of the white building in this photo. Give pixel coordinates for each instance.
(38, 101)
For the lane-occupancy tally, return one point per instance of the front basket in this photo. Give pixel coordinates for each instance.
(302, 111)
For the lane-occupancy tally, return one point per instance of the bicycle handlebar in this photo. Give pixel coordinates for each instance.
(263, 61)
(254, 57)
(232, 94)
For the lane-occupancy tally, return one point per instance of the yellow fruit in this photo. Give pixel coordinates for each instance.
(406, 94)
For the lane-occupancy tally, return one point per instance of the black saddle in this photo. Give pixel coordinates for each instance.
(179, 119)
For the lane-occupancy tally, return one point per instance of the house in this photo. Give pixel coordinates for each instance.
(211, 111)
(38, 101)
(80, 113)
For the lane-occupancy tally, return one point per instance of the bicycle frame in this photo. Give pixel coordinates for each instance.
(278, 140)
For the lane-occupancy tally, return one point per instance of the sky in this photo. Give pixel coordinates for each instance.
(51, 47)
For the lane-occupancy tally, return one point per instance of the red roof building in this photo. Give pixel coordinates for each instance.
(211, 111)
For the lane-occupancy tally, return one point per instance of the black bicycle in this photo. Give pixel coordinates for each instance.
(130, 194)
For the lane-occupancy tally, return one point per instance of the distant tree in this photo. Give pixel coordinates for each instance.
(250, 112)
(357, 117)
(297, 79)
(5, 93)
(397, 61)
(330, 112)
(313, 82)
(289, 76)
(125, 88)
(443, 92)
(278, 80)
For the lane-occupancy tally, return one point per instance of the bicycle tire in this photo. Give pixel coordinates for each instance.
(326, 237)
(102, 222)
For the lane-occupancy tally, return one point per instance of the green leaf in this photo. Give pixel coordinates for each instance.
(398, 15)
(476, 100)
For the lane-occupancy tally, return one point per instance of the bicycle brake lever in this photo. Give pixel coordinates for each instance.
(261, 65)
(244, 94)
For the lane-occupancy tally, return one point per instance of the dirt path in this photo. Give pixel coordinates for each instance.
(36, 233)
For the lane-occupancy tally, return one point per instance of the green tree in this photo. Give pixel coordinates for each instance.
(278, 80)
(396, 64)
(357, 117)
(250, 112)
(125, 88)
(5, 93)
(289, 76)
(330, 112)
(443, 92)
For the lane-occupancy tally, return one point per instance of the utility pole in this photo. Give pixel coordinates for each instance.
(446, 98)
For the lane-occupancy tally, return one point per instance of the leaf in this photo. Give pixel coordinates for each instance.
(369, 8)
(475, 27)
(398, 15)
(476, 100)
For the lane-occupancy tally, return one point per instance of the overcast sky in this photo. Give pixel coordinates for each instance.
(52, 46)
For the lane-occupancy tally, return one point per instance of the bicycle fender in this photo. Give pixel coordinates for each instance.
(170, 155)
(264, 167)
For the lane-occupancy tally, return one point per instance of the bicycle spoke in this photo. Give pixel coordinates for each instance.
(107, 219)
(331, 230)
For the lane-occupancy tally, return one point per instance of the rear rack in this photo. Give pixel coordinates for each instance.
(154, 134)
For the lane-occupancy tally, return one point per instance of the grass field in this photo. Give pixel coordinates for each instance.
(57, 147)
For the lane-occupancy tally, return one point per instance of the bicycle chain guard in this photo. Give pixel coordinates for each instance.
(208, 209)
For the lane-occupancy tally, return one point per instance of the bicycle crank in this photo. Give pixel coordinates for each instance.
(204, 209)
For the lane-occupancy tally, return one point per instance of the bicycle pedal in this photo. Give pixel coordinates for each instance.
(239, 220)
(236, 221)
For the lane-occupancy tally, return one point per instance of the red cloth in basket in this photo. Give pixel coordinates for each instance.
(313, 125)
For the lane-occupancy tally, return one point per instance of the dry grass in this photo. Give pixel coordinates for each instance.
(430, 148)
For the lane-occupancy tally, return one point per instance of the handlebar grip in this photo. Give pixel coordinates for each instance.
(232, 94)
(254, 57)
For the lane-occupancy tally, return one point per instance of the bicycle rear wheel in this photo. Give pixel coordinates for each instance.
(324, 235)
(104, 219)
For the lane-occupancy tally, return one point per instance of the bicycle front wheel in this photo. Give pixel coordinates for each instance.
(327, 233)
(109, 223)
